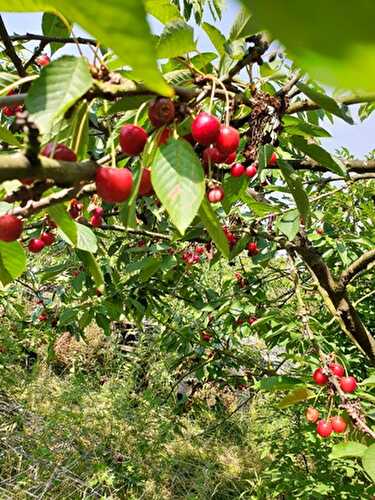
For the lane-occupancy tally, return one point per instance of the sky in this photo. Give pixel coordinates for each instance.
(358, 138)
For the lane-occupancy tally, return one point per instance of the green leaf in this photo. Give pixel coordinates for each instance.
(80, 131)
(289, 224)
(8, 137)
(53, 26)
(162, 10)
(233, 187)
(213, 226)
(65, 223)
(259, 208)
(128, 103)
(295, 186)
(369, 381)
(318, 154)
(243, 25)
(176, 39)
(332, 52)
(178, 179)
(92, 267)
(347, 449)
(278, 383)
(295, 126)
(60, 85)
(265, 153)
(216, 37)
(12, 261)
(86, 239)
(296, 396)
(4, 207)
(368, 461)
(326, 102)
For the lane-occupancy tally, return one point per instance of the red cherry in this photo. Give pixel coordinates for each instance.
(99, 211)
(312, 415)
(161, 112)
(212, 155)
(36, 245)
(228, 139)
(251, 320)
(319, 377)
(9, 111)
(43, 317)
(336, 369)
(96, 220)
(42, 60)
(132, 139)
(231, 158)
(252, 248)
(199, 250)
(324, 428)
(145, 187)
(338, 424)
(237, 170)
(164, 136)
(10, 227)
(239, 321)
(47, 238)
(215, 194)
(251, 170)
(273, 160)
(60, 152)
(206, 336)
(320, 231)
(348, 384)
(27, 182)
(205, 128)
(114, 185)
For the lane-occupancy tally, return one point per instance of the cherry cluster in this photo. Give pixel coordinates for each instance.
(347, 383)
(193, 255)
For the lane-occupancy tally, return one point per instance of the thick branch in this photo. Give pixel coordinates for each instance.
(308, 105)
(359, 265)
(358, 166)
(64, 173)
(9, 49)
(48, 39)
(140, 232)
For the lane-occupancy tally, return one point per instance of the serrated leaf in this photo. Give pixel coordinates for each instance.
(12, 261)
(278, 383)
(162, 10)
(178, 180)
(318, 154)
(216, 37)
(53, 26)
(296, 189)
(60, 85)
(213, 226)
(7, 136)
(92, 267)
(289, 224)
(123, 28)
(347, 449)
(296, 396)
(242, 26)
(326, 102)
(295, 126)
(368, 461)
(176, 39)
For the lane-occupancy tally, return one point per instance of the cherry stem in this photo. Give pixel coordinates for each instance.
(140, 109)
(330, 408)
(227, 104)
(212, 95)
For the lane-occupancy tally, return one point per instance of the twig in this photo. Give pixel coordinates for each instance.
(9, 49)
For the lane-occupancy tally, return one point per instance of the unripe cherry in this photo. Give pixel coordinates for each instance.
(113, 185)
(205, 128)
(161, 112)
(59, 152)
(319, 377)
(215, 194)
(10, 227)
(36, 245)
(228, 139)
(145, 187)
(47, 238)
(237, 170)
(336, 369)
(324, 428)
(251, 171)
(312, 415)
(348, 384)
(212, 155)
(338, 424)
(132, 139)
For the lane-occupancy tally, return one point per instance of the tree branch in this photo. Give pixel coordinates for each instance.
(308, 105)
(9, 49)
(356, 267)
(48, 39)
(358, 166)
